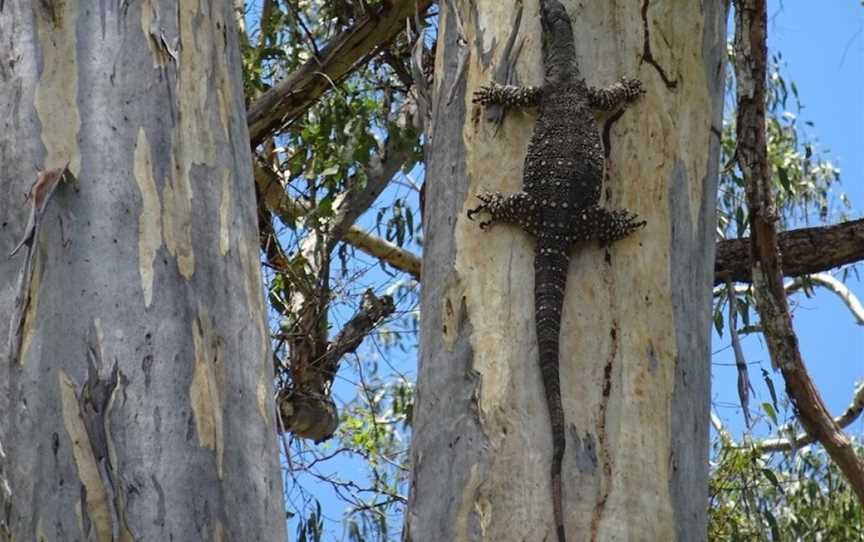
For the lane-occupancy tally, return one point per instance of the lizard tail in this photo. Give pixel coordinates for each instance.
(550, 278)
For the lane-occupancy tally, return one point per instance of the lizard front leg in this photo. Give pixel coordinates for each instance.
(518, 208)
(507, 95)
(615, 95)
(604, 225)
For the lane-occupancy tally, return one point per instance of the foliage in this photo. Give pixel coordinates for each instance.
(318, 156)
(799, 497)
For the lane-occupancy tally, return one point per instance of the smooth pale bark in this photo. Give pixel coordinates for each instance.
(149, 269)
(636, 325)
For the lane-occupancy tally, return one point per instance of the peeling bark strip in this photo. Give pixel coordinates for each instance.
(139, 405)
(94, 500)
(86, 415)
(771, 302)
(39, 195)
(150, 219)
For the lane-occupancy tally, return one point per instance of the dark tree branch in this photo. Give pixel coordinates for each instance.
(744, 385)
(311, 413)
(805, 251)
(372, 311)
(771, 301)
(276, 201)
(288, 99)
(273, 199)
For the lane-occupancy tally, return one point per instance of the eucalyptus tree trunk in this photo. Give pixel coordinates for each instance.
(135, 378)
(635, 336)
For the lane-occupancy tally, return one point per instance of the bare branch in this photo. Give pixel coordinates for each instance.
(820, 279)
(289, 210)
(399, 258)
(372, 311)
(771, 302)
(721, 429)
(285, 101)
(835, 286)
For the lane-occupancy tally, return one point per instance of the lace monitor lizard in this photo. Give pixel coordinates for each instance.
(558, 205)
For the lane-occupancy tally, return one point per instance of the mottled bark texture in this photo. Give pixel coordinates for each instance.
(635, 336)
(138, 405)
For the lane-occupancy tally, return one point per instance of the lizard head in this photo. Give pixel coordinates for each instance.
(559, 50)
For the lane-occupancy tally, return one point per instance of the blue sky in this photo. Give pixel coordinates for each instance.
(823, 49)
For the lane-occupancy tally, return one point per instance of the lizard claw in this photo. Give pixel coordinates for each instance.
(474, 211)
(633, 86)
(484, 95)
(485, 224)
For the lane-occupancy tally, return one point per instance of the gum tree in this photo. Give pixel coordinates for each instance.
(136, 380)
(636, 320)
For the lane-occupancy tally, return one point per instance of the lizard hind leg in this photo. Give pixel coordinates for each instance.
(604, 225)
(518, 208)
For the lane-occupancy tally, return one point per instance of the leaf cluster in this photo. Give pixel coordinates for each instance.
(801, 496)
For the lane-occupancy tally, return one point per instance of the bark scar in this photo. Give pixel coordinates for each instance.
(463, 51)
(647, 56)
(95, 402)
(602, 443)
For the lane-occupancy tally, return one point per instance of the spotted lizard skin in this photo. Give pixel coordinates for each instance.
(558, 204)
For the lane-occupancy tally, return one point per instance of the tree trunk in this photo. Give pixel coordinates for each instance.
(137, 403)
(635, 340)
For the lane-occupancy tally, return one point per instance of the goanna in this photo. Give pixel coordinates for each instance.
(558, 204)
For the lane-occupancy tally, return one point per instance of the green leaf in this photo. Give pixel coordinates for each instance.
(770, 412)
(769, 474)
(740, 221)
(743, 309)
(784, 180)
(718, 322)
(772, 522)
